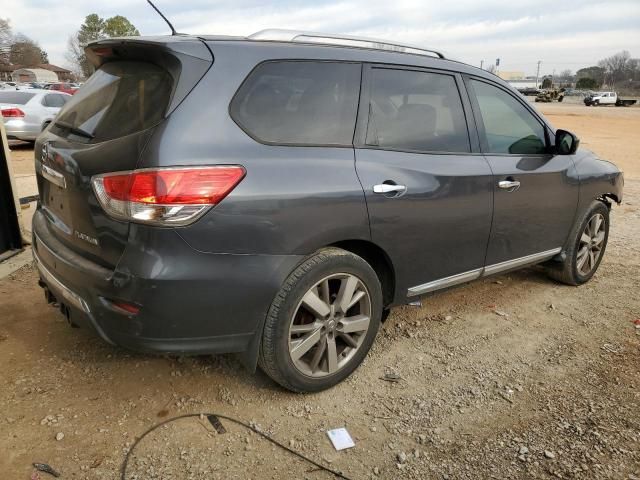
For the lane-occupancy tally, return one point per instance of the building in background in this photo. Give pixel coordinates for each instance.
(507, 75)
(34, 75)
(525, 83)
(61, 74)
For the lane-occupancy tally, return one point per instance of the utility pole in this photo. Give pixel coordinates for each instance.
(538, 73)
(481, 64)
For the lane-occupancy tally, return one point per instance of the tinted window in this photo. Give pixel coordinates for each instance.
(120, 98)
(509, 126)
(17, 98)
(293, 102)
(53, 100)
(412, 110)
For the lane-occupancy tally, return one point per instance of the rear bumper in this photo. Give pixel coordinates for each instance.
(20, 130)
(190, 302)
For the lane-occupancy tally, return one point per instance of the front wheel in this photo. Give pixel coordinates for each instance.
(588, 242)
(322, 323)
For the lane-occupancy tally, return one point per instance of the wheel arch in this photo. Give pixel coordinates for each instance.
(608, 197)
(379, 261)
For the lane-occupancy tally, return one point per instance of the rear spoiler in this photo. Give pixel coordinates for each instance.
(186, 58)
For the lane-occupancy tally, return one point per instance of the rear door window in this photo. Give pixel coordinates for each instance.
(16, 98)
(120, 98)
(416, 111)
(299, 103)
(53, 100)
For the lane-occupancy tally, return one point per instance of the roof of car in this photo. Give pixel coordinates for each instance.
(381, 49)
(39, 90)
(329, 39)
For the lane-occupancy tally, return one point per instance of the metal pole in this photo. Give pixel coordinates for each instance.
(481, 64)
(537, 74)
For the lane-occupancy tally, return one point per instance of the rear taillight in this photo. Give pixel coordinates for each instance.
(12, 113)
(165, 196)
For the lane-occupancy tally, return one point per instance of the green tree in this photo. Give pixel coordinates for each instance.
(95, 28)
(596, 73)
(119, 26)
(586, 83)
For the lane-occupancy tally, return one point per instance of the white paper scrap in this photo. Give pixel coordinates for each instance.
(340, 438)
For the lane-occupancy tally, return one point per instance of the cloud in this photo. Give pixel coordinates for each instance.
(568, 35)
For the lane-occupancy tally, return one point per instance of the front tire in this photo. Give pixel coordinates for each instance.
(322, 322)
(588, 241)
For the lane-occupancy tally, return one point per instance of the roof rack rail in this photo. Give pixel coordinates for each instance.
(279, 35)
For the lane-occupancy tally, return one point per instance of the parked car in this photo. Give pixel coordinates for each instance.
(607, 98)
(62, 87)
(27, 112)
(279, 201)
(529, 91)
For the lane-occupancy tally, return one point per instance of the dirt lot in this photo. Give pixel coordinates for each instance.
(550, 390)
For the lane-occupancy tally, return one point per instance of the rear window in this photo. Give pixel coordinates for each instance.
(120, 98)
(299, 103)
(17, 98)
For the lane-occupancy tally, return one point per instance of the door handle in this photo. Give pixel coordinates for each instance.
(388, 188)
(510, 185)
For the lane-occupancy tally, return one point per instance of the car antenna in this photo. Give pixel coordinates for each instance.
(173, 30)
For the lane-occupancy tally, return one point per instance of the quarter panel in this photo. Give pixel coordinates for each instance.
(293, 200)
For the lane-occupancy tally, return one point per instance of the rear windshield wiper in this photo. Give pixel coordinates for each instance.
(75, 130)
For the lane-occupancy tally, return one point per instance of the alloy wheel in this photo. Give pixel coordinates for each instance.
(329, 325)
(591, 243)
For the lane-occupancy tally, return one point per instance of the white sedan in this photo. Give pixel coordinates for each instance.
(28, 112)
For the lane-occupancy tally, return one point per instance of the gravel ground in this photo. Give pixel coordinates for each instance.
(551, 389)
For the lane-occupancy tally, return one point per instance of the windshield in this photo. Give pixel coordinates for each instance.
(120, 98)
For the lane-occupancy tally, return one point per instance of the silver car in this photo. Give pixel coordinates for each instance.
(27, 112)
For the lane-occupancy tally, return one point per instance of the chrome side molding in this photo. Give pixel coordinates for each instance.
(444, 282)
(519, 262)
(482, 272)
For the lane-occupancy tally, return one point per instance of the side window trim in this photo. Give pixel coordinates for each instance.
(363, 120)
(484, 147)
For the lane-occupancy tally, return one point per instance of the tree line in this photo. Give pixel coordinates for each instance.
(617, 71)
(95, 28)
(18, 49)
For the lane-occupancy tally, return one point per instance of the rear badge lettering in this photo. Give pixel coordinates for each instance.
(86, 238)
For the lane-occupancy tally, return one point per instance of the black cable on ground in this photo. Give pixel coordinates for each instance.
(125, 463)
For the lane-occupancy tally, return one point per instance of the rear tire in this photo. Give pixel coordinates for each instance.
(588, 241)
(316, 333)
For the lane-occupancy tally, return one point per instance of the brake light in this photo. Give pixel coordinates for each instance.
(12, 113)
(166, 196)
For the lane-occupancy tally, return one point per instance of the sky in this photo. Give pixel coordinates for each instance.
(562, 35)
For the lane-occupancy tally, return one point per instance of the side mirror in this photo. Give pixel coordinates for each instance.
(566, 142)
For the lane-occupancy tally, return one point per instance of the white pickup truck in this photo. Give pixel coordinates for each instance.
(607, 98)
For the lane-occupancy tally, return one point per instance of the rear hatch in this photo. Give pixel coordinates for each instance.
(104, 128)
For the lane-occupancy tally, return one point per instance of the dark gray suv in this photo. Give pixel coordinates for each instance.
(276, 195)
